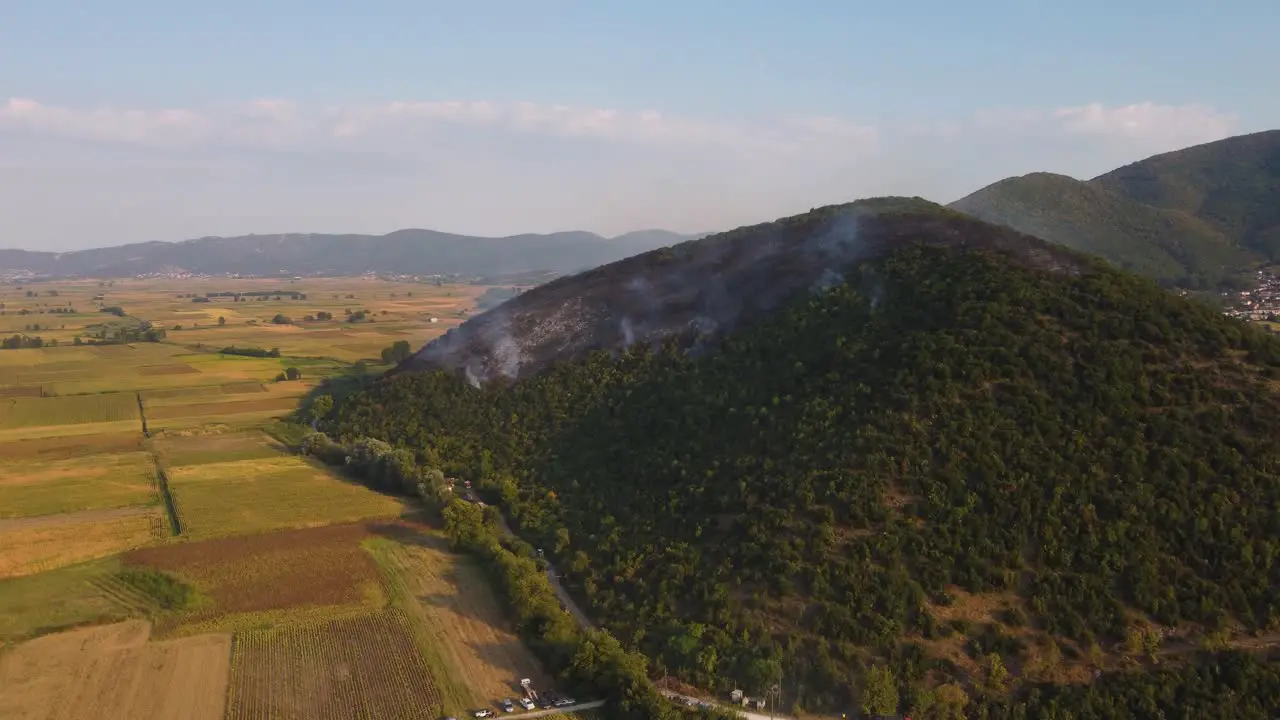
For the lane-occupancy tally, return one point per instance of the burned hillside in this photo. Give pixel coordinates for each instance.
(697, 291)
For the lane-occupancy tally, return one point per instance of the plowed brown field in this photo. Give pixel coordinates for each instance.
(273, 571)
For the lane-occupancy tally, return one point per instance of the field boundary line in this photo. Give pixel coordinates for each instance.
(166, 496)
(142, 413)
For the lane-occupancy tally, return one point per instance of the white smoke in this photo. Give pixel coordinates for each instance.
(830, 278)
(872, 286)
(503, 349)
(628, 332)
(471, 377)
(507, 355)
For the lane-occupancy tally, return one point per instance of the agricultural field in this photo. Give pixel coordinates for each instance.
(272, 586)
(45, 487)
(114, 673)
(23, 412)
(36, 544)
(370, 619)
(462, 626)
(67, 597)
(363, 666)
(271, 493)
(254, 580)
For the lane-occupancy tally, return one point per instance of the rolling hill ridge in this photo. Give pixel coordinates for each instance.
(410, 252)
(1195, 217)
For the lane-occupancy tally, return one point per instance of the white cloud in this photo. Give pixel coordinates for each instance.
(1174, 125)
(163, 127)
(282, 124)
(1147, 126)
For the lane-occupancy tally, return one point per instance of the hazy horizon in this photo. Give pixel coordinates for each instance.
(148, 122)
(375, 234)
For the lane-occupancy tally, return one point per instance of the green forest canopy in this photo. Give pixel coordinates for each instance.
(1090, 453)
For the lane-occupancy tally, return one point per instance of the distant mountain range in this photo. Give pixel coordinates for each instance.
(1194, 217)
(1197, 218)
(409, 252)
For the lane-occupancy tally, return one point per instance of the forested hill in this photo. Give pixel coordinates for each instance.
(1194, 217)
(953, 475)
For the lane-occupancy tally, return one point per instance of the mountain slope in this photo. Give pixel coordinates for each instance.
(972, 458)
(1233, 185)
(1195, 217)
(403, 251)
(699, 290)
(1167, 245)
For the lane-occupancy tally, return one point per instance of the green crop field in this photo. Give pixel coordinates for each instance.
(55, 599)
(256, 495)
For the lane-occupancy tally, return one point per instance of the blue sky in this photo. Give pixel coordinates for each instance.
(135, 120)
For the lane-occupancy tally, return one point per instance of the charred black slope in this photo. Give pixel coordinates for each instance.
(975, 459)
(1195, 217)
(703, 289)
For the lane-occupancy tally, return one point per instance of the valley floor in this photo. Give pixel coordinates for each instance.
(168, 555)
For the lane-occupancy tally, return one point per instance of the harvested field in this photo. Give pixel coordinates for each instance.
(202, 391)
(49, 432)
(175, 369)
(78, 409)
(71, 446)
(323, 566)
(463, 630)
(32, 545)
(20, 391)
(361, 667)
(282, 405)
(114, 673)
(248, 496)
(44, 487)
(178, 450)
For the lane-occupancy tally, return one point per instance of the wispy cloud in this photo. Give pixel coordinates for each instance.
(1176, 124)
(1148, 125)
(282, 124)
(276, 165)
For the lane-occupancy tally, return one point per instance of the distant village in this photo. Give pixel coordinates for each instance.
(1260, 303)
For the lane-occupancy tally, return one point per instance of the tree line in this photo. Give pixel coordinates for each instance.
(590, 661)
